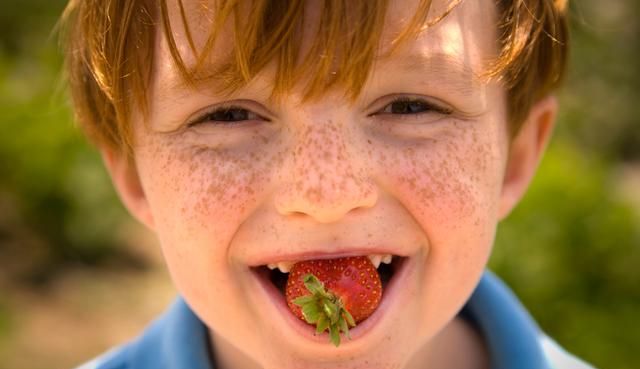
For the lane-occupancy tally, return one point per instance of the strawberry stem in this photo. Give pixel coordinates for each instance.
(324, 309)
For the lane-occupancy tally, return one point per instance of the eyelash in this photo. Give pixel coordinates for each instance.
(210, 116)
(424, 107)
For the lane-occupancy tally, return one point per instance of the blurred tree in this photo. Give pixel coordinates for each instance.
(600, 101)
(26, 24)
(56, 202)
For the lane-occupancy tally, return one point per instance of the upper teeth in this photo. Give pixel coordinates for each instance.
(376, 259)
(283, 266)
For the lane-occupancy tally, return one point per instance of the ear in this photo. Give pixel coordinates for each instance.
(124, 175)
(525, 152)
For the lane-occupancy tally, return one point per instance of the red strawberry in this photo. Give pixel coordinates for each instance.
(334, 293)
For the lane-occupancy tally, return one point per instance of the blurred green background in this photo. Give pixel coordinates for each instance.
(571, 250)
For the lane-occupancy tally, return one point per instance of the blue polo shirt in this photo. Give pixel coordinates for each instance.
(179, 340)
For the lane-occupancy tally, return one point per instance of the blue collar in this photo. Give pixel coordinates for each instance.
(511, 334)
(177, 340)
(180, 340)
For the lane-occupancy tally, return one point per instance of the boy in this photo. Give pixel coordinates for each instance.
(265, 140)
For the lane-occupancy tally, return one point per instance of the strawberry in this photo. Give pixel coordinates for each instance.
(334, 294)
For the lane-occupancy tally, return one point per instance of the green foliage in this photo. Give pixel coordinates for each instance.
(5, 320)
(600, 106)
(56, 202)
(25, 24)
(571, 251)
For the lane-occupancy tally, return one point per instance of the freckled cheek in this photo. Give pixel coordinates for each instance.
(206, 191)
(448, 187)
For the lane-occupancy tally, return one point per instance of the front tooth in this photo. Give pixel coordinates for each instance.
(375, 260)
(387, 258)
(272, 266)
(285, 266)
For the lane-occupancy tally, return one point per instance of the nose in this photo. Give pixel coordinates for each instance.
(324, 178)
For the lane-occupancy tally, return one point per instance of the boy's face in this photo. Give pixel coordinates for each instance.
(417, 167)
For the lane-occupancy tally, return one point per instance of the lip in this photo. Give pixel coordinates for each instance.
(390, 301)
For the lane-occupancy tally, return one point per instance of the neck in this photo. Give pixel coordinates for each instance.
(458, 346)
(228, 356)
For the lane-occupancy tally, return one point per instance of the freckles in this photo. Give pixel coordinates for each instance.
(203, 185)
(231, 182)
(447, 175)
(323, 167)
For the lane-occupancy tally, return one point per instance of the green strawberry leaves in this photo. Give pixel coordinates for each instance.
(325, 310)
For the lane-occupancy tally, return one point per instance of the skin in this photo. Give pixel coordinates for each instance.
(326, 178)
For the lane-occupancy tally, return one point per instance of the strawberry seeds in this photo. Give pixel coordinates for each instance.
(334, 294)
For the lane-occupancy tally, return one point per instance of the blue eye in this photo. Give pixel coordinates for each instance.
(227, 115)
(405, 105)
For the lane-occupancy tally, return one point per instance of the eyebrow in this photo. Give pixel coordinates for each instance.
(459, 74)
(177, 83)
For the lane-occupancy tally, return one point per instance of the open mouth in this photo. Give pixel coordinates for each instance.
(275, 276)
(394, 272)
(278, 274)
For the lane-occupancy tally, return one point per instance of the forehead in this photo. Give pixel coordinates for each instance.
(460, 45)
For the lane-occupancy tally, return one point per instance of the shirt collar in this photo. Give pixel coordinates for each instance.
(511, 334)
(177, 340)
